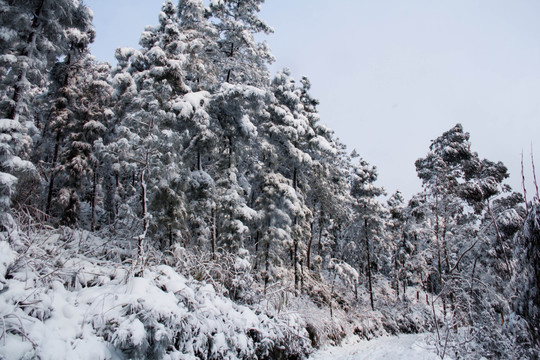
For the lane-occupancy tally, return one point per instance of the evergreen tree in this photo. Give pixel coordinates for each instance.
(526, 281)
(235, 110)
(65, 152)
(149, 135)
(441, 172)
(470, 216)
(327, 190)
(34, 35)
(368, 222)
(242, 59)
(401, 247)
(200, 39)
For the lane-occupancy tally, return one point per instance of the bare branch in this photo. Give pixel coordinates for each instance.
(534, 174)
(523, 184)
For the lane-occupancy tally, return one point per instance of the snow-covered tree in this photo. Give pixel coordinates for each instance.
(34, 35)
(236, 111)
(327, 188)
(78, 96)
(401, 247)
(441, 172)
(468, 217)
(526, 280)
(372, 251)
(200, 39)
(149, 140)
(241, 58)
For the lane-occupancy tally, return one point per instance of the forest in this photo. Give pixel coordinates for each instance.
(185, 203)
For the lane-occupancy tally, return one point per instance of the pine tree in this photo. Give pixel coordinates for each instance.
(235, 111)
(441, 172)
(369, 215)
(149, 134)
(526, 281)
(242, 59)
(200, 39)
(470, 216)
(34, 35)
(62, 146)
(327, 193)
(400, 245)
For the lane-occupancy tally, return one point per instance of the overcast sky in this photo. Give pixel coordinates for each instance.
(391, 75)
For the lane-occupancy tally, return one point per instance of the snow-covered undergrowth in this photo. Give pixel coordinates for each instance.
(58, 302)
(68, 294)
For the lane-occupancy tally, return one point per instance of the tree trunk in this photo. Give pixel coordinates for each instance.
(295, 253)
(230, 151)
(499, 237)
(295, 264)
(93, 199)
(439, 260)
(310, 242)
(229, 72)
(396, 271)
(370, 280)
(319, 239)
(257, 236)
(144, 214)
(214, 235)
(53, 174)
(267, 265)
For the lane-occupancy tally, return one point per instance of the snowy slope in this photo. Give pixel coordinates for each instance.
(411, 347)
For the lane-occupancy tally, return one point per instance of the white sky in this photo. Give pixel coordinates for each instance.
(391, 75)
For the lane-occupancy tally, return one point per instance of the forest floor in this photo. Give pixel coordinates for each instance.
(409, 347)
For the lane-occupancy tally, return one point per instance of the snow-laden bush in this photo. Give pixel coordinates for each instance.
(229, 273)
(63, 298)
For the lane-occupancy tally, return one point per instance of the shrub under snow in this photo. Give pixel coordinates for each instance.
(58, 303)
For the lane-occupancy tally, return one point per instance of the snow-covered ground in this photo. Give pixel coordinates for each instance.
(410, 347)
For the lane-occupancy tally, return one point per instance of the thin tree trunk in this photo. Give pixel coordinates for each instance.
(229, 72)
(397, 276)
(53, 174)
(439, 260)
(295, 264)
(447, 261)
(171, 237)
(144, 214)
(230, 151)
(93, 199)
(214, 235)
(319, 242)
(266, 265)
(257, 236)
(310, 242)
(370, 280)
